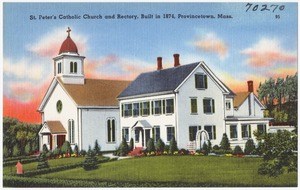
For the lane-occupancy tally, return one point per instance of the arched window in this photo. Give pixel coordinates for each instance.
(111, 130)
(73, 67)
(71, 131)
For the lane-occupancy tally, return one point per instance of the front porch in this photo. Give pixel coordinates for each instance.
(53, 134)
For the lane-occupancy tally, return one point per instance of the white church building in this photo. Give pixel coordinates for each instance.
(77, 109)
(187, 101)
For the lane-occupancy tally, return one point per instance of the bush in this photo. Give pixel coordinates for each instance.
(150, 145)
(173, 146)
(66, 148)
(225, 145)
(123, 149)
(160, 145)
(90, 161)
(43, 162)
(57, 151)
(83, 152)
(97, 148)
(204, 149)
(45, 148)
(249, 147)
(238, 150)
(131, 145)
(16, 151)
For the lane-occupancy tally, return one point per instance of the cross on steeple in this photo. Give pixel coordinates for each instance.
(68, 31)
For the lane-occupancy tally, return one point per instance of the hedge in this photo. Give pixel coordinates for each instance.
(17, 158)
(23, 161)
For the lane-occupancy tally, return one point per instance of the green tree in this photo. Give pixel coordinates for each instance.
(90, 161)
(131, 146)
(160, 145)
(45, 148)
(224, 144)
(123, 149)
(43, 162)
(173, 146)
(150, 145)
(249, 147)
(237, 150)
(97, 149)
(280, 151)
(66, 148)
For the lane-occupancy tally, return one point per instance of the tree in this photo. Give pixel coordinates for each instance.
(90, 161)
(150, 145)
(249, 147)
(131, 146)
(45, 148)
(160, 145)
(76, 150)
(224, 144)
(123, 149)
(66, 148)
(205, 149)
(280, 150)
(97, 149)
(43, 162)
(173, 146)
(237, 150)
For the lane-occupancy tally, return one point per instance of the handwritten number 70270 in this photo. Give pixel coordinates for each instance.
(264, 7)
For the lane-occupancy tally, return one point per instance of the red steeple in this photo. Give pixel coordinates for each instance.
(68, 45)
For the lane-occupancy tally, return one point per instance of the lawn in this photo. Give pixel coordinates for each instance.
(216, 171)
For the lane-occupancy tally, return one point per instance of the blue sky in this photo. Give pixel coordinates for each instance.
(253, 45)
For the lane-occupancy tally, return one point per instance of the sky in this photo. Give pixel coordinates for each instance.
(252, 44)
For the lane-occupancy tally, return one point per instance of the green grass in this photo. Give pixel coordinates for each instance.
(219, 171)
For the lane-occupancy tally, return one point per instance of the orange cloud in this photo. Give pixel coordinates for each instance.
(268, 52)
(211, 43)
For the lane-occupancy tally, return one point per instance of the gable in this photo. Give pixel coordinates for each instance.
(240, 98)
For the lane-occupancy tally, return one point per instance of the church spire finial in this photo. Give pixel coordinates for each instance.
(68, 31)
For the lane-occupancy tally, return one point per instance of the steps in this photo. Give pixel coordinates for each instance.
(135, 152)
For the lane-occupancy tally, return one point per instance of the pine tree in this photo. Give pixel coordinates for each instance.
(43, 162)
(90, 161)
(160, 145)
(225, 145)
(249, 147)
(66, 148)
(150, 145)
(131, 146)
(123, 149)
(173, 146)
(97, 148)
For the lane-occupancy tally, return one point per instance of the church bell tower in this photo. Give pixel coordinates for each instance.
(68, 65)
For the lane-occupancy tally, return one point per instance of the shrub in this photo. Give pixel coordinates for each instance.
(45, 148)
(123, 149)
(150, 145)
(167, 148)
(204, 149)
(90, 161)
(160, 145)
(66, 148)
(131, 145)
(97, 148)
(57, 151)
(83, 152)
(238, 150)
(173, 146)
(16, 151)
(5, 151)
(43, 162)
(225, 145)
(249, 147)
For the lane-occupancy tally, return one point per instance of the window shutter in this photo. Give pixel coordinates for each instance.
(213, 105)
(214, 131)
(249, 131)
(205, 81)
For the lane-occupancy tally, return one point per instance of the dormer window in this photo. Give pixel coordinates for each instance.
(228, 105)
(200, 81)
(73, 67)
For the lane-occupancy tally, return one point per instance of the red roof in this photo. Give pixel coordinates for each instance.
(68, 46)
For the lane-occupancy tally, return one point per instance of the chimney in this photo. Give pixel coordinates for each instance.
(250, 86)
(159, 63)
(176, 60)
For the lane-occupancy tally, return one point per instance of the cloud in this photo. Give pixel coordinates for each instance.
(267, 52)
(49, 44)
(20, 69)
(211, 43)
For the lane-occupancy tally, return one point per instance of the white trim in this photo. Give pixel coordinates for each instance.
(50, 90)
(145, 95)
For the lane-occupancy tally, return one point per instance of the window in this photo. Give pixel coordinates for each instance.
(262, 128)
(170, 133)
(246, 131)
(136, 109)
(59, 68)
(208, 105)
(156, 107)
(228, 105)
(211, 130)
(59, 106)
(233, 131)
(71, 131)
(125, 133)
(127, 110)
(200, 81)
(156, 133)
(111, 130)
(170, 106)
(73, 67)
(193, 132)
(145, 108)
(194, 109)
